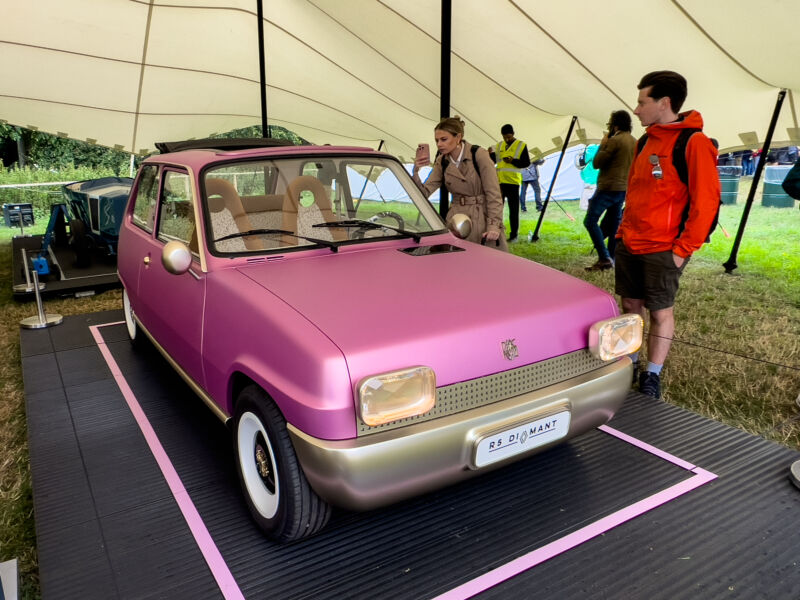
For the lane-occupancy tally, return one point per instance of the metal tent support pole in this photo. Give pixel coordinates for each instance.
(535, 236)
(444, 87)
(444, 82)
(262, 69)
(730, 264)
(42, 319)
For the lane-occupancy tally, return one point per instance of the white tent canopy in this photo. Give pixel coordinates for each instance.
(128, 73)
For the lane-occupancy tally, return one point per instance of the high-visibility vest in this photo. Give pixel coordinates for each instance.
(506, 172)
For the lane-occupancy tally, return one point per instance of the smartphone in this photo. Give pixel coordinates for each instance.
(423, 157)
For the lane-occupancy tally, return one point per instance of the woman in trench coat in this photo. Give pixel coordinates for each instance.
(473, 184)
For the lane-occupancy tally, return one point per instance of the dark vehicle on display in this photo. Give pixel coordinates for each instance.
(97, 206)
(93, 214)
(361, 352)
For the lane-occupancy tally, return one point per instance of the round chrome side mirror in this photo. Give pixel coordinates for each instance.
(176, 257)
(461, 225)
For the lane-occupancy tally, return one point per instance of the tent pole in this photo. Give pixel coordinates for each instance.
(262, 68)
(444, 87)
(730, 264)
(535, 236)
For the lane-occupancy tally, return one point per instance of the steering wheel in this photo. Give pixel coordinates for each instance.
(388, 214)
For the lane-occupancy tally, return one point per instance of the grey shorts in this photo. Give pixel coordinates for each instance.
(649, 277)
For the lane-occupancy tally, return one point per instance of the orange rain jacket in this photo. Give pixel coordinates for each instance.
(654, 208)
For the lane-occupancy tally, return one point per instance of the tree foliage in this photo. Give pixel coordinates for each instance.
(51, 152)
(54, 153)
(276, 132)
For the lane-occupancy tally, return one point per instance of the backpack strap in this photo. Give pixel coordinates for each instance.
(444, 194)
(679, 153)
(640, 144)
(681, 166)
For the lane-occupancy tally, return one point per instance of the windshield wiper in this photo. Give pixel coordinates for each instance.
(369, 225)
(332, 245)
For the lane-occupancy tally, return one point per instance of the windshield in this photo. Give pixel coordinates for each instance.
(284, 203)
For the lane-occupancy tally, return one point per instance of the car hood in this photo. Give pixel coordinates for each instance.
(386, 309)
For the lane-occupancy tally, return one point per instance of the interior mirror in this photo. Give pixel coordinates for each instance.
(176, 257)
(461, 225)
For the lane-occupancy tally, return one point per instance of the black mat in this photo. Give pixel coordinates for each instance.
(108, 526)
(100, 274)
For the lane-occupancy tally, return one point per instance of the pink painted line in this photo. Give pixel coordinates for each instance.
(219, 568)
(576, 538)
(647, 447)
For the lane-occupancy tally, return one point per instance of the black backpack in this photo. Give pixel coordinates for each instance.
(444, 205)
(679, 162)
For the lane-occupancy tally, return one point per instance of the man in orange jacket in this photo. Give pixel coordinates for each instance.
(665, 220)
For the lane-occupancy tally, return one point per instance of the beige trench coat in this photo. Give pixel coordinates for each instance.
(475, 190)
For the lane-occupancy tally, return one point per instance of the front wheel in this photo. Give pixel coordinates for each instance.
(275, 488)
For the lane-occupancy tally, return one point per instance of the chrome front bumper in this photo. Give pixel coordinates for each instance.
(378, 469)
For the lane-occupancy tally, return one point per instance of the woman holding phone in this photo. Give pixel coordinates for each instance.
(470, 177)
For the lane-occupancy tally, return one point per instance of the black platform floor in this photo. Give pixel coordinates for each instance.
(100, 274)
(134, 503)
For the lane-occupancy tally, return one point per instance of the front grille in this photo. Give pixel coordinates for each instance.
(466, 395)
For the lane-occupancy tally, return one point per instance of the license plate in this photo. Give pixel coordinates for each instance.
(521, 438)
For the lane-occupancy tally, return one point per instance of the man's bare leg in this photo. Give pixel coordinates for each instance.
(662, 329)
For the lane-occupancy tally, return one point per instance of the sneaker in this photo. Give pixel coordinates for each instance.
(650, 384)
(512, 238)
(602, 265)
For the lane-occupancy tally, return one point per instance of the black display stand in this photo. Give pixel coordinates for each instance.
(110, 524)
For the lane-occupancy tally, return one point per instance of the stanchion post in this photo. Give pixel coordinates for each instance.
(41, 319)
(28, 285)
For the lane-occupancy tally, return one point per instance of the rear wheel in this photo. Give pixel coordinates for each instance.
(275, 488)
(134, 332)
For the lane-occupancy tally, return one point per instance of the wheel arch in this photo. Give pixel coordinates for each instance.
(240, 380)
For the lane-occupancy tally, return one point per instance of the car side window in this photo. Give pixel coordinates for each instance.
(144, 207)
(176, 216)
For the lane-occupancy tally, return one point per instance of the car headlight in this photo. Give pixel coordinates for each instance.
(616, 337)
(396, 395)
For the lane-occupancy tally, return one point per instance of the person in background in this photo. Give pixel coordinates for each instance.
(791, 183)
(613, 161)
(469, 175)
(665, 221)
(511, 156)
(530, 177)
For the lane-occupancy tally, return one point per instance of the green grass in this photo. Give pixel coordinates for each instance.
(736, 357)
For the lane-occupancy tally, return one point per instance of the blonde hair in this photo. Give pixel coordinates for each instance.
(453, 125)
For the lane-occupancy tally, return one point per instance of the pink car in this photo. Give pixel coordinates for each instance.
(363, 354)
